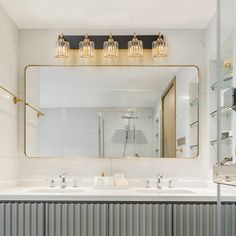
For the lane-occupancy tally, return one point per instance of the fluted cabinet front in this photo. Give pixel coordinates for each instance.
(22, 219)
(76, 219)
(140, 219)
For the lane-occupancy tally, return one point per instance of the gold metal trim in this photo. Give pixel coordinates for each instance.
(110, 65)
(15, 99)
(39, 113)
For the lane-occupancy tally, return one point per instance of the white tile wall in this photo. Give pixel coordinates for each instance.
(9, 135)
(36, 47)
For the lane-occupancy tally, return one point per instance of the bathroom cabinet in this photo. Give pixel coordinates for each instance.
(114, 219)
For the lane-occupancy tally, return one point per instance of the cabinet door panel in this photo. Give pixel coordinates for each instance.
(140, 219)
(76, 219)
(21, 219)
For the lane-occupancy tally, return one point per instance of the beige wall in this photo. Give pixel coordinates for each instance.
(186, 47)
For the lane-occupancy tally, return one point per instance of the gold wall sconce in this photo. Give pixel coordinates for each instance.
(86, 47)
(111, 48)
(160, 47)
(62, 47)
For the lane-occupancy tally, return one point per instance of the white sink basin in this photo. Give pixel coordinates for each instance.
(166, 190)
(57, 190)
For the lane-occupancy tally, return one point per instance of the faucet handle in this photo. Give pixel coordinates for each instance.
(62, 175)
(147, 183)
(75, 183)
(160, 175)
(51, 183)
(170, 182)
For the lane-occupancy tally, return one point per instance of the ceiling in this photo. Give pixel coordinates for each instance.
(110, 14)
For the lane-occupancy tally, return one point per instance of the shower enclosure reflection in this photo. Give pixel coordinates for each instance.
(112, 111)
(126, 133)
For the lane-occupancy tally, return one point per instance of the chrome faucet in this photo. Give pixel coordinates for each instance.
(159, 177)
(63, 180)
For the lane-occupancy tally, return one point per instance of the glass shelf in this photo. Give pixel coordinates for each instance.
(193, 146)
(226, 112)
(193, 123)
(194, 102)
(226, 78)
(226, 140)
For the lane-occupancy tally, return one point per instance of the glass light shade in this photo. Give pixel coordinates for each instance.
(86, 48)
(62, 47)
(160, 47)
(135, 47)
(111, 48)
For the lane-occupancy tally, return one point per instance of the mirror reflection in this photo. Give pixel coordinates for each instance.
(112, 111)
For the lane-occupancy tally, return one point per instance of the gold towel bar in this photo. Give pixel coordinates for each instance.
(16, 100)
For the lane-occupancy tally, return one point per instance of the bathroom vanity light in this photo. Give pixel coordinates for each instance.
(62, 47)
(111, 48)
(135, 47)
(160, 47)
(86, 48)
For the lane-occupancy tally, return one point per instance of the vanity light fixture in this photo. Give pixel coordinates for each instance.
(62, 47)
(160, 47)
(86, 48)
(111, 48)
(135, 47)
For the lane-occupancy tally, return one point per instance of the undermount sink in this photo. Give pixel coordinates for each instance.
(56, 190)
(166, 190)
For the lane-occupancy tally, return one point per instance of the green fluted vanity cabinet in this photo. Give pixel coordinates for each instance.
(22, 219)
(140, 219)
(194, 220)
(114, 219)
(76, 219)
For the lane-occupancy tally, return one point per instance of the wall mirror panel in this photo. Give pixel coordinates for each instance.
(112, 111)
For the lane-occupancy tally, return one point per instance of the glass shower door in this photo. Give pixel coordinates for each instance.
(126, 132)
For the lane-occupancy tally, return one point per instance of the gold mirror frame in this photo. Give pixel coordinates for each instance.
(111, 65)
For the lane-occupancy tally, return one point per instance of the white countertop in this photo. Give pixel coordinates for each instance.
(35, 191)
(90, 194)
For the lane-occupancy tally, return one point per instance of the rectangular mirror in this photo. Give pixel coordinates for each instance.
(112, 111)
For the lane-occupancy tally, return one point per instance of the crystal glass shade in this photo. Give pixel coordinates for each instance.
(160, 47)
(135, 47)
(111, 48)
(62, 47)
(86, 48)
